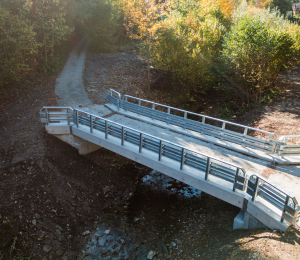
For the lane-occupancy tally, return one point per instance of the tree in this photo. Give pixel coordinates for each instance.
(142, 20)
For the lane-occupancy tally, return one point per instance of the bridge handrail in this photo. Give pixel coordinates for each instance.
(165, 141)
(246, 128)
(284, 137)
(44, 107)
(46, 114)
(116, 92)
(282, 203)
(288, 149)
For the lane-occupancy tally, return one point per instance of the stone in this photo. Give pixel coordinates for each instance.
(59, 252)
(58, 232)
(106, 189)
(173, 244)
(47, 248)
(151, 254)
(33, 222)
(44, 258)
(65, 258)
(136, 219)
(86, 233)
(102, 241)
(107, 232)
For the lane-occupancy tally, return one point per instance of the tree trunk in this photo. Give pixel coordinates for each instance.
(148, 61)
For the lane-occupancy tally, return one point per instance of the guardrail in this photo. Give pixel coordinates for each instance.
(203, 127)
(287, 203)
(256, 186)
(210, 165)
(64, 114)
(288, 149)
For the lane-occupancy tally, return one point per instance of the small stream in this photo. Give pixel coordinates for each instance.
(146, 227)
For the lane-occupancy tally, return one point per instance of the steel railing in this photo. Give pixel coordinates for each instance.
(221, 132)
(288, 149)
(65, 114)
(287, 203)
(210, 165)
(256, 186)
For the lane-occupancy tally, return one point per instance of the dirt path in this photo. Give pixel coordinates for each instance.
(57, 204)
(69, 85)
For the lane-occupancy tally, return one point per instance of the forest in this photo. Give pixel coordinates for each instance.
(236, 48)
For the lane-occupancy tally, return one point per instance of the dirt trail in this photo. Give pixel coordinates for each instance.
(69, 85)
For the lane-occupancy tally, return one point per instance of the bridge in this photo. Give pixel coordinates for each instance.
(197, 152)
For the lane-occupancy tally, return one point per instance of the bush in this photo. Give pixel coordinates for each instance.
(256, 50)
(189, 43)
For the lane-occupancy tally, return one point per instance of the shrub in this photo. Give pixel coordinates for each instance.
(189, 43)
(256, 49)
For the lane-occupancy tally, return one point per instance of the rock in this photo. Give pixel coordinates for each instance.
(151, 254)
(58, 232)
(37, 215)
(86, 233)
(33, 222)
(102, 241)
(65, 258)
(47, 248)
(136, 219)
(59, 252)
(173, 244)
(107, 232)
(44, 258)
(106, 189)
(179, 242)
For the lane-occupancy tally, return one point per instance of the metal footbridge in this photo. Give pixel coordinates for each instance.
(267, 203)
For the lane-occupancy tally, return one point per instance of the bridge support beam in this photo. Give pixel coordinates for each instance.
(244, 220)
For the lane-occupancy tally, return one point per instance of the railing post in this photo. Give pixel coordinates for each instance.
(223, 125)
(47, 115)
(160, 150)
(285, 205)
(182, 159)
(91, 123)
(141, 143)
(256, 189)
(106, 129)
(122, 138)
(139, 102)
(153, 106)
(68, 119)
(207, 168)
(185, 115)
(203, 119)
(77, 119)
(169, 110)
(245, 131)
(236, 174)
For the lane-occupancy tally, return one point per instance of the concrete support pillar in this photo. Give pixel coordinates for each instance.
(83, 146)
(244, 220)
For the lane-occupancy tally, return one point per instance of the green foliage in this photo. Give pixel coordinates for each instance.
(103, 25)
(188, 44)
(256, 50)
(282, 5)
(18, 46)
